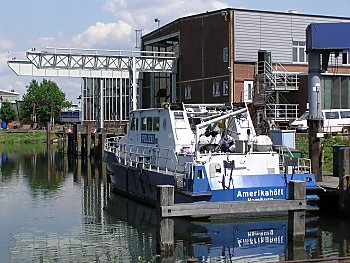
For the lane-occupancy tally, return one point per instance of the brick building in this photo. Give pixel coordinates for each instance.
(237, 55)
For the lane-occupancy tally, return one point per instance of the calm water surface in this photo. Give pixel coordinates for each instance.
(55, 208)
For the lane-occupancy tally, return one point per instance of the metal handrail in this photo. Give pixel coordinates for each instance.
(277, 76)
(303, 165)
(132, 154)
(282, 111)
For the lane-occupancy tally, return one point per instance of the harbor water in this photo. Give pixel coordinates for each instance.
(59, 208)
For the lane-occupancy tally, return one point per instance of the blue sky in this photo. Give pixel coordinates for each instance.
(111, 24)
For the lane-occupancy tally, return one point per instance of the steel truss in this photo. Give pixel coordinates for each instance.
(95, 63)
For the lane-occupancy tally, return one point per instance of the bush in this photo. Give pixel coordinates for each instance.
(302, 144)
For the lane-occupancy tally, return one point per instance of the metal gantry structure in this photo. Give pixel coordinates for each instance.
(100, 65)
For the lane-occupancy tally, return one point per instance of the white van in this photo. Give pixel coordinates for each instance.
(334, 120)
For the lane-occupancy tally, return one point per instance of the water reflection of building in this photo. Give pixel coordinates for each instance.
(99, 238)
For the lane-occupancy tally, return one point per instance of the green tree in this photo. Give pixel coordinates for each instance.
(7, 113)
(41, 99)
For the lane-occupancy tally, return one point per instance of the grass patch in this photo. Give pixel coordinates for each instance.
(24, 136)
(302, 144)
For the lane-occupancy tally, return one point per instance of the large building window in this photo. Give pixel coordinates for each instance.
(335, 92)
(188, 92)
(346, 58)
(248, 91)
(225, 54)
(299, 55)
(216, 89)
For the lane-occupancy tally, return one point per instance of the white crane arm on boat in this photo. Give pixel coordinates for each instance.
(222, 117)
(206, 123)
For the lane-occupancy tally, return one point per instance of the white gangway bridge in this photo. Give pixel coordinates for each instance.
(110, 79)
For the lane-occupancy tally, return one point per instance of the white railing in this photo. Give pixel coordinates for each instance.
(277, 78)
(281, 112)
(148, 157)
(289, 164)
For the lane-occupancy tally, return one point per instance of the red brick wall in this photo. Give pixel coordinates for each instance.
(242, 72)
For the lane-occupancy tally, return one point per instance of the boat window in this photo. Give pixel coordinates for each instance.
(331, 115)
(134, 124)
(143, 123)
(200, 174)
(149, 123)
(345, 114)
(156, 123)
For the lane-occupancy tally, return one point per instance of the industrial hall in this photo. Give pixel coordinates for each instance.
(238, 55)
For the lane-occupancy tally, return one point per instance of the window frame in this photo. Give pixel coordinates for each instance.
(188, 92)
(299, 47)
(143, 123)
(248, 96)
(216, 89)
(156, 125)
(345, 55)
(225, 88)
(225, 55)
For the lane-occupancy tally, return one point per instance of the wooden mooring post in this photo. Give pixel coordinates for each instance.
(88, 141)
(48, 135)
(344, 180)
(165, 229)
(296, 222)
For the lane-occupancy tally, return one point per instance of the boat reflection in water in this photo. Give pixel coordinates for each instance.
(215, 239)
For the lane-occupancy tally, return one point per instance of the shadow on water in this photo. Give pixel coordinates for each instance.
(58, 208)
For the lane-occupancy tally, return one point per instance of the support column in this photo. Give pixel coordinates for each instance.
(75, 138)
(102, 106)
(315, 116)
(231, 58)
(134, 86)
(173, 82)
(79, 141)
(88, 140)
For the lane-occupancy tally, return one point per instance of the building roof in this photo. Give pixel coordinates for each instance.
(9, 92)
(208, 13)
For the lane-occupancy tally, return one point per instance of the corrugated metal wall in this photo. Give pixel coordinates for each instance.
(273, 32)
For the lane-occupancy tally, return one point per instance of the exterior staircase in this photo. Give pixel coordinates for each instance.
(271, 108)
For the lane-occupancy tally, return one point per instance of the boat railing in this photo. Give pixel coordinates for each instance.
(111, 144)
(291, 164)
(150, 157)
